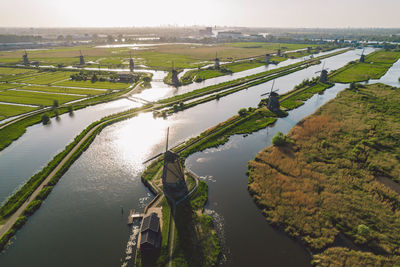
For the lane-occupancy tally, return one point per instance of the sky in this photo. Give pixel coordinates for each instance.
(248, 13)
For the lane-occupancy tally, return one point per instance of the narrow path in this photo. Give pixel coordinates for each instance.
(11, 220)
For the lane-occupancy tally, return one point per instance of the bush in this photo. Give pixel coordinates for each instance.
(20, 222)
(32, 207)
(45, 119)
(280, 139)
(242, 112)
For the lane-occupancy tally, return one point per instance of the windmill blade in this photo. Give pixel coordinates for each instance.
(273, 83)
(150, 159)
(265, 94)
(166, 146)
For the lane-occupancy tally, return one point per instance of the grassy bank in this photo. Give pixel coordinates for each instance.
(334, 157)
(375, 66)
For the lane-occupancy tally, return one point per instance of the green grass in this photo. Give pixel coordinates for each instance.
(5, 86)
(298, 97)
(14, 71)
(89, 84)
(33, 98)
(375, 66)
(63, 90)
(48, 77)
(241, 66)
(283, 46)
(12, 110)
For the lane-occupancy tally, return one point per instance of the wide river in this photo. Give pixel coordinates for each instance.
(81, 223)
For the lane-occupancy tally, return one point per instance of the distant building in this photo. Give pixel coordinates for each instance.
(229, 35)
(125, 76)
(206, 31)
(150, 232)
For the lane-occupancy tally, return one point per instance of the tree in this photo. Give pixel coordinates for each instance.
(70, 110)
(55, 103)
(280, 139)
(181, 105)
(45, 119)
(94, 78)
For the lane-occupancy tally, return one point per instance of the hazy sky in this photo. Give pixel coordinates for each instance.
(258, 13)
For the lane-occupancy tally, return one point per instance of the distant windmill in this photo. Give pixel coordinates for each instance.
(174, 76)
(362, 56)
(273, 101)
(324, 74)
(278, 53)
(81, 58)
(25, 58)
(216, 64)
(131, 63)
(267, 58)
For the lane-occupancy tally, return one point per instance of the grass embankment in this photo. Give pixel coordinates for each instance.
(296, 98)
(375, 66)
(335, 156)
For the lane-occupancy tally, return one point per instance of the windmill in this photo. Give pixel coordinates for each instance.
(362, 56)
(173, 177)
(81, 58)
(273, 101)
(278, 53)
(174, 76)
(267, 58)
(131, 63)
(25, 58)
(216, 64)
(323, 78)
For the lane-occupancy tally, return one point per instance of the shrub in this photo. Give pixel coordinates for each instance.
(45, 119)
(280, 139)
(32, 207)
(20, 222)
(242, 112)
(363, 230)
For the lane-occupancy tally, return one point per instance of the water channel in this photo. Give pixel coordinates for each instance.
(81, 224)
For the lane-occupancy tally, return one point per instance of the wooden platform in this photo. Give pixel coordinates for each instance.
(132, 216)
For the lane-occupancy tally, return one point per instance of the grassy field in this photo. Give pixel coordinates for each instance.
(63, 90)
(375, 66)
(89, 84)
(47, 77)
(5, 86)
(12, 110)
(33, 98)
(335, 156)
(11, 74)
(157, 57)
(297, 99)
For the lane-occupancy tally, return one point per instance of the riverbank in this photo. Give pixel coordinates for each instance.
(333, 157)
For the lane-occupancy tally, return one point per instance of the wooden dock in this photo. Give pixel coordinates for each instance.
(132, 216)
